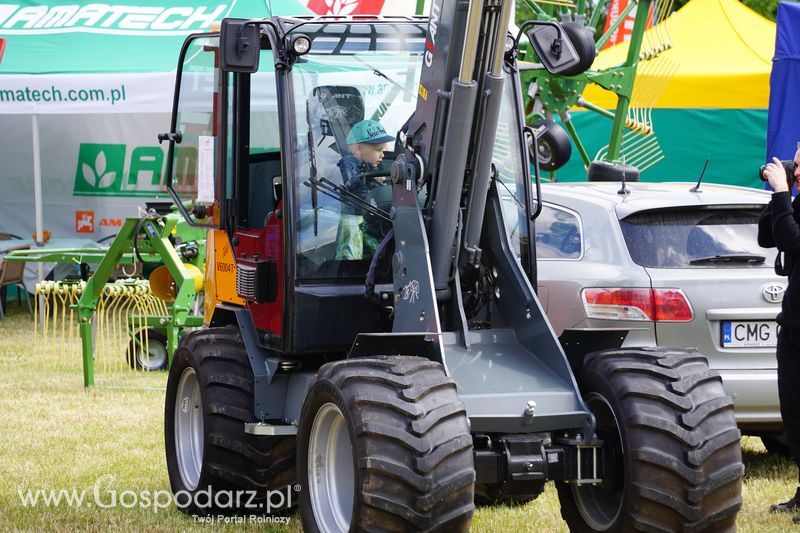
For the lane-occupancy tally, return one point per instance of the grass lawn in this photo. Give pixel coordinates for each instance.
(57, 435)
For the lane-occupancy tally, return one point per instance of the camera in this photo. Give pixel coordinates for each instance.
(788, 165)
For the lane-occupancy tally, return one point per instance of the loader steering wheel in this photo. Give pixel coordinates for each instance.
(380, 173)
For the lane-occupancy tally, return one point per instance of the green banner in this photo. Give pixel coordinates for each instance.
(56, 37)
(733, 140)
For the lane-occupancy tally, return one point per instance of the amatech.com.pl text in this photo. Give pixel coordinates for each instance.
(56, 95)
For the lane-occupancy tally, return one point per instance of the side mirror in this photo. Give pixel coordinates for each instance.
(553, 46)
(240, 45)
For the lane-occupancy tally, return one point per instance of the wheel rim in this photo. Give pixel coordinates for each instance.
(189, 429)
(156, 356)
(331, 475)
(600, 505)
(545, 152)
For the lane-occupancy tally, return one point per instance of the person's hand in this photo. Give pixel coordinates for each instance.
(776, 175)
(380, 179)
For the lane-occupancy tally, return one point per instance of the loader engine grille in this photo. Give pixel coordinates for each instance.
(256, 280)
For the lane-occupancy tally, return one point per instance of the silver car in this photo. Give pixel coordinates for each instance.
(663, 265)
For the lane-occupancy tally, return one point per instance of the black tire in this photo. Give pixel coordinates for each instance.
(408, 466)
(681, 469)
(232, 462)
(606, 171)
(582, 38)
(554, 145)
(157, 350)
(776, 445)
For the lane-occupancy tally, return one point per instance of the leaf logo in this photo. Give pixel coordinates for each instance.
(97, 177)
(341, 7)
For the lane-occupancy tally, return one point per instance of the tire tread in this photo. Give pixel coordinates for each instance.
(232, 459)
(412, 443)
(683, 461)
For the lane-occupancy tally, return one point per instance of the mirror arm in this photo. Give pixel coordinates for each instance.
(528, 23)
(272, 32)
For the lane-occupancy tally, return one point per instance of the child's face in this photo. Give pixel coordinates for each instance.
(372, 154)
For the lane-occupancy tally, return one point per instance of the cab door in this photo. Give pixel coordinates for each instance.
(197, 163)
(255, 195)
(225, 174)
(196, 167)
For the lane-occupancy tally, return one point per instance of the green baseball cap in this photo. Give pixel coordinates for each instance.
(368, 131)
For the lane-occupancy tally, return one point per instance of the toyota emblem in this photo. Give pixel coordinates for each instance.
(773, 293)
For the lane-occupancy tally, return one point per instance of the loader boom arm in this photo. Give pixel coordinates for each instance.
(451, 135)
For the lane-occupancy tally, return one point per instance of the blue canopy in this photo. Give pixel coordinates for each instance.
(783, 123)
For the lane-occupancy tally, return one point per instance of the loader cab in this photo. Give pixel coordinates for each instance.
(250, 150)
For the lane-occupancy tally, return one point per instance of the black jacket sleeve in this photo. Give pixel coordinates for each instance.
(765, 238)
(785, 231)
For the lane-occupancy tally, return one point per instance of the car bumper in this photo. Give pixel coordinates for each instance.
(755, 397)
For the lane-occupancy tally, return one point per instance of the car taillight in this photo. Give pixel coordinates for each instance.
(618, 304)
(672, 306)
(660, 305)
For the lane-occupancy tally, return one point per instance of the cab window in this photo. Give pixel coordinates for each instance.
(341, 178)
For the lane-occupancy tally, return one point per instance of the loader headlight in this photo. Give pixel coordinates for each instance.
(510, 43)
(299, 44)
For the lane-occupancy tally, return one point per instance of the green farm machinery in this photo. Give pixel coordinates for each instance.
(551, 98)
(117, 305)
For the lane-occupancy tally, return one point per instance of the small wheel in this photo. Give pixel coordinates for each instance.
(606, 171)
(384, 444)
(776, 445)
(582, 38)
(671, 454)
(156, 357)
(554, 146)
(213, 465)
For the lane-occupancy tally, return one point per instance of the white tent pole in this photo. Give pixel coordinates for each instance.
(37, 187)
(37, 200)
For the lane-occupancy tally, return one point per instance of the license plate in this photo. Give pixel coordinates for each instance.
(737, 334)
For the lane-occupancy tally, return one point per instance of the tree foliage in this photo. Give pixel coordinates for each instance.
(765, 8)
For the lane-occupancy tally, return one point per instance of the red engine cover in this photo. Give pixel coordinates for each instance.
(267, 243)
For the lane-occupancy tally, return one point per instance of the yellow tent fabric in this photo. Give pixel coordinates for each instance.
(723, 51)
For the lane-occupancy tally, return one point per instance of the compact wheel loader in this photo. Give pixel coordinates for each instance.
(377, 355)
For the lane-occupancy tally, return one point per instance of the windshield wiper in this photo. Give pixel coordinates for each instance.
(391, 95)
(340, 193)
(729, 258)
(312, 161)
(380, 74)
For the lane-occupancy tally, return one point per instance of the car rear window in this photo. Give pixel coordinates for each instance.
(696, 238)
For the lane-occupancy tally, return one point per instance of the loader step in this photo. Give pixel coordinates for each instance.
(259, 428)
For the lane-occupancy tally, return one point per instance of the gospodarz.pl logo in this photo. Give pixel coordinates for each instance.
(250, 506)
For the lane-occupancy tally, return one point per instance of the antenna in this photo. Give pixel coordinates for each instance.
(269, 7)
(696, 188)
(624, 189)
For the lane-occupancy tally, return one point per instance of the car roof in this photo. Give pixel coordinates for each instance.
(644, 196)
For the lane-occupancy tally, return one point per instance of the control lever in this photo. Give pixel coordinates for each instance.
(177, 137)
